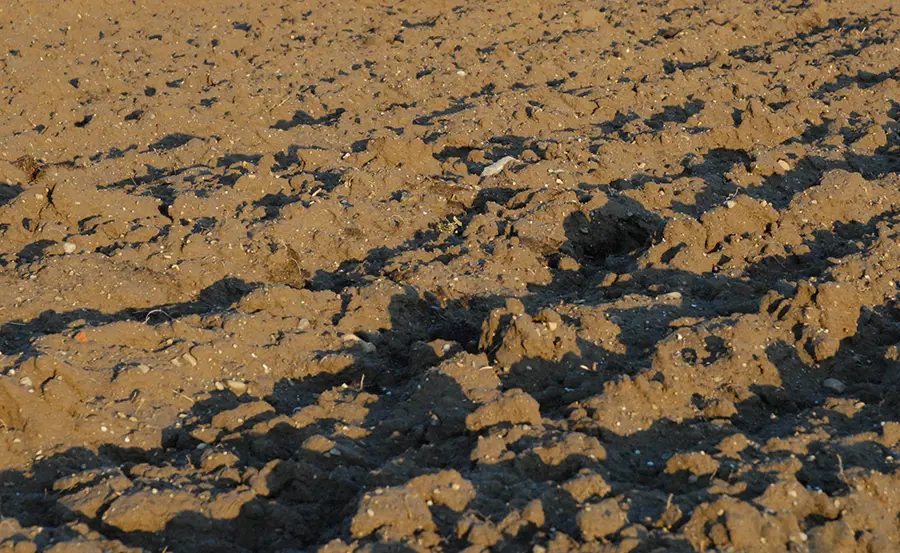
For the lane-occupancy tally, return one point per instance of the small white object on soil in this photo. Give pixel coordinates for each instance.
(69, 247)
(730, 204)
(834, 385)
(784, 165)
(497, 166)
(236, 386)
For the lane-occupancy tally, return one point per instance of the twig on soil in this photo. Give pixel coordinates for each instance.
(177, 393)
(279, 104)
(147, 318)
(841, 475)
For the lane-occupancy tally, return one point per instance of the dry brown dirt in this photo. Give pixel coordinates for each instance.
(256, 296)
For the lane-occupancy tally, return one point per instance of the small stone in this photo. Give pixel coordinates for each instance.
(367, 347)
(497, 166)
(236, 386)
(784, 165)
(190, 359)
(26, 381)
(730, 204)
(402, 196)
(143, 368)
(69, 247)
(834, 385)
(220, 386)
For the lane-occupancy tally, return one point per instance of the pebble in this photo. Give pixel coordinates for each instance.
(784, 165)
(403, 196)
(143, 368)
(730, 204)
(69, 247)
(497, 166)
(834, 385)
(367, 347)
(236, 386)
(190, 359)
(26, 381)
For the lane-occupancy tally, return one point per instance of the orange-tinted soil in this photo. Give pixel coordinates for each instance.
(256, 297)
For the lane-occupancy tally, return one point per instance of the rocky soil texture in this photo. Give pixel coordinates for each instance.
(256, 295)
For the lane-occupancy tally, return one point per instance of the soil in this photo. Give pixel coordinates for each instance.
(258, 296)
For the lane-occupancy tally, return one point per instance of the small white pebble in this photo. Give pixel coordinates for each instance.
(236, 386)
(497, 166)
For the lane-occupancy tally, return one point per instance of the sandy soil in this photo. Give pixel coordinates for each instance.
(257, 296)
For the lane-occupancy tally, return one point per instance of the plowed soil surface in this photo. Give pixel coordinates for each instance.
(256, 295)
